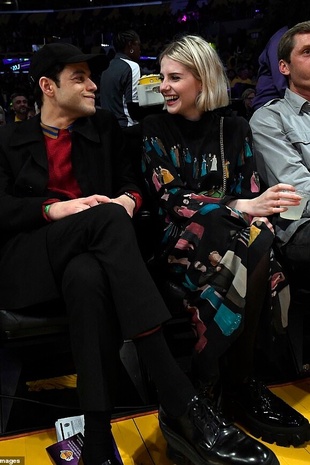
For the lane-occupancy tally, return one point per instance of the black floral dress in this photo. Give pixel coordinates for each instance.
(211, 246)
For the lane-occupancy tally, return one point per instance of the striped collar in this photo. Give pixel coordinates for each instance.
(52, 132)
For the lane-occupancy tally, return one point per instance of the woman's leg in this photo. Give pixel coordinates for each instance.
(231, 284)
(221, 251)
(251, 403)
(239, 361)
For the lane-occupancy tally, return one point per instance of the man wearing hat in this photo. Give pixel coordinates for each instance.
(67, 195)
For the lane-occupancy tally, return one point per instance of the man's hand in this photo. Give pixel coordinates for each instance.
(60, 210)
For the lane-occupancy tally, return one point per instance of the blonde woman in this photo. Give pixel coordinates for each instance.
(200, 170)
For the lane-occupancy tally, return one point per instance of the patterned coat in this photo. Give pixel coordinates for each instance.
(212, 246)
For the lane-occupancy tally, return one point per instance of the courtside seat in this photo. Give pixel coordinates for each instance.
(36, 340)
(37, 321)
(27, 335)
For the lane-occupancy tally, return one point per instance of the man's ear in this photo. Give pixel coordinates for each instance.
(284, 67)
(46, 85)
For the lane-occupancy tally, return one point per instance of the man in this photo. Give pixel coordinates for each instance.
(281, 139)
(246, 109)
(67, 198)
(118, 83)
(19, 102)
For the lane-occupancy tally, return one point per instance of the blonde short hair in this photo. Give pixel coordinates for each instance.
(204, 63)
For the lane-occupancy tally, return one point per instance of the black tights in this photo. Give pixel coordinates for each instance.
(240, 357)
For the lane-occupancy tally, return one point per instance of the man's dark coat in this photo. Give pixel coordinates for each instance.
(101, 166)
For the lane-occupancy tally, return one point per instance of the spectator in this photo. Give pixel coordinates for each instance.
(281, 140)
(19, 106)
(216, 237)
(270, 82)
(247, 98)
(118, 83)
(241, 82)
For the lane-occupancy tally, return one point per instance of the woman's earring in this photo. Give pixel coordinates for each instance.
(131, 50)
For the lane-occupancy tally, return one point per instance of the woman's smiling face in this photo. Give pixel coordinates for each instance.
(180, 89)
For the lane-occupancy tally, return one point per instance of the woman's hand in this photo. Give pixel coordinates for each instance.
(273, 200)
(126, 202)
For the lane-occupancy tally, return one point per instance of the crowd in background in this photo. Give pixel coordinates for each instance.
(89, 29)
(237, 30)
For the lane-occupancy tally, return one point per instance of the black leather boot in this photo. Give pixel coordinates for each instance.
(267, 416)
(203, 437)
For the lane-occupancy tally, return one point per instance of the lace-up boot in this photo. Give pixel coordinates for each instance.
(203, 437)
(267, 416)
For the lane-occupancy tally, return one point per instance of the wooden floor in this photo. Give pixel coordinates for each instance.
(140, 442)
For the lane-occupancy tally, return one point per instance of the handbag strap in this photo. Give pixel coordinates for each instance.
(223, 156)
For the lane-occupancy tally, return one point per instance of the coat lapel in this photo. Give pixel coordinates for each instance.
(29, 135)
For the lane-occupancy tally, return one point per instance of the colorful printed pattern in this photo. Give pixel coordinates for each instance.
(211, 246)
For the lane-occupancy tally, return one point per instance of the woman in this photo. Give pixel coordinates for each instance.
(216, 233)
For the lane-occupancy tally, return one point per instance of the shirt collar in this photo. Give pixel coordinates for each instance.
(51, 131)
(298, 103)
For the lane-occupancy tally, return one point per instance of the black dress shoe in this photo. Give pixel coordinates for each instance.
(203, 437)
(267, 416)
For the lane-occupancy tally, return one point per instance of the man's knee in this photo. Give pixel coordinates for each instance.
(84, 272)
(111, 217)
(115, 212)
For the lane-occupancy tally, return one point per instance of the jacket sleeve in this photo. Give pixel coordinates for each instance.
(20, 209)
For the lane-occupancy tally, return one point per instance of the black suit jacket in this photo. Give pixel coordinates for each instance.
(101, 164)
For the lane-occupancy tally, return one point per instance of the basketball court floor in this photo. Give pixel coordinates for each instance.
(140, 441)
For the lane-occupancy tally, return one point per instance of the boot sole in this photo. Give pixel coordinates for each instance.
(182, 453)
(284, 437)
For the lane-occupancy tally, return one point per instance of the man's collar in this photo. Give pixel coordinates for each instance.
(298, 103)
(51, 131)
(28, 130)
